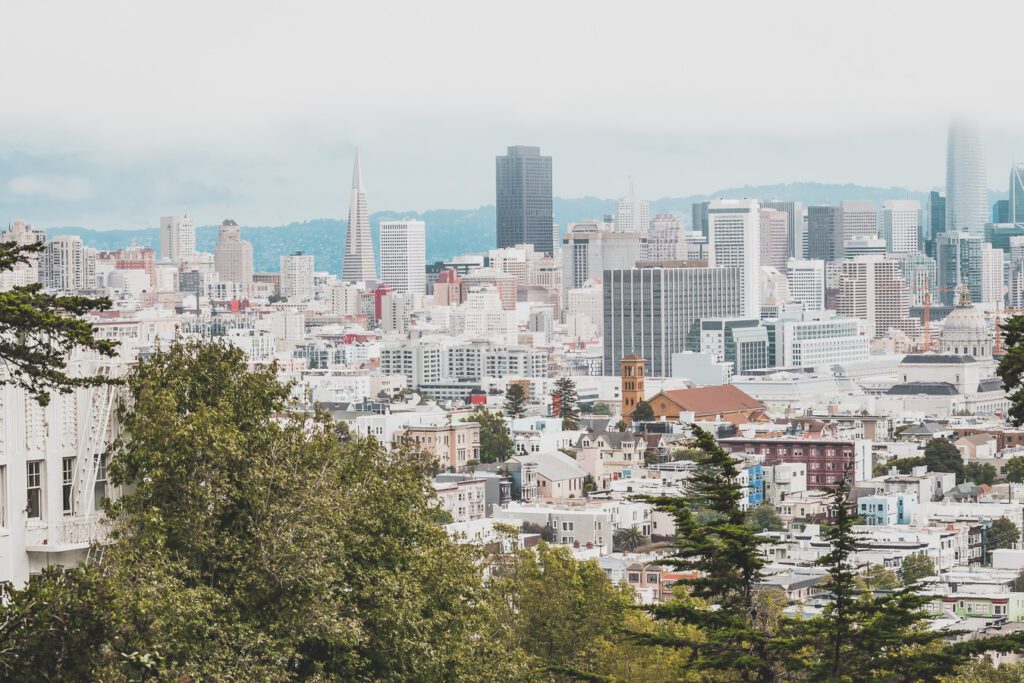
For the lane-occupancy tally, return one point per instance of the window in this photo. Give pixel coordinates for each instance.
(67, 474)
(100, 489)
(34, 489)
(652, 578)
(634, 577)
(568, 526)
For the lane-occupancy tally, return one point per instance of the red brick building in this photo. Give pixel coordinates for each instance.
(826, 459)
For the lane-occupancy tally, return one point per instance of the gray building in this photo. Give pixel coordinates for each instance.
(794, 224)
(958, 259)
(700, 217)
(587, 252)
(1015, 210)
(652, 311)
(523, 194)
(823, 225)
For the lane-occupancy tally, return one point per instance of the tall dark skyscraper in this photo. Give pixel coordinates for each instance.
(700, 217)
(523, 193)
(936, 221)
(823, 226)
(1016, 201)
(1001, 211)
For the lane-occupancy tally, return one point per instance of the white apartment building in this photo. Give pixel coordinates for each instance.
(807, 282)
(901, 225)
(403, 255)
(734, 241)
(177, 238)
(297, 276)
(67, 265)
(482, 316)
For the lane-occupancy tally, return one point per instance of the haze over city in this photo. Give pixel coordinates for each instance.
(118, 113)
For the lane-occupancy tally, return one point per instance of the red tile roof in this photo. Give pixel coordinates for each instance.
(714, 400)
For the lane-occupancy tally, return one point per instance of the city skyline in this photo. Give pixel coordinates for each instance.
(88, 151)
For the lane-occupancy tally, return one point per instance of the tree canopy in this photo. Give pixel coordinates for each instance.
(496, 444)
(565, 400)
(643, 412)
(515, 400)
(942, 456)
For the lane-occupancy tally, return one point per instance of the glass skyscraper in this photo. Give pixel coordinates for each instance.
(967, 207)
(524, 204)
(1016, 209)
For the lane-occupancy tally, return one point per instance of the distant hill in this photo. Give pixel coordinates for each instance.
(460, 231)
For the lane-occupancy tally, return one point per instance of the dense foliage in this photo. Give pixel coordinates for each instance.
(496, 444)
(515, 400)
(565, 400)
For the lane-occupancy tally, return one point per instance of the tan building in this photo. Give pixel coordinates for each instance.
(872, 288)
(632, 371)
(463, 500)
(728, 402)
(233, 256)
(453, 445)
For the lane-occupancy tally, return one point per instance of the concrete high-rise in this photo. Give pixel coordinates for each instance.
(297, 276)
(232, 257)
(177, 238)
(774, 238)
(1017, 194)
(666, 240)
(587, 252)
(807, 282)
(67, 265)
(795, 236)
(734, 241)
(872, 288)
(857, 218)
(901, 225)
(403, 256)
(359, 265)
(967, 206)
(525, 212)
(632, 214)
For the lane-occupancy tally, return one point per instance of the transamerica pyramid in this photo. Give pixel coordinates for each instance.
(359, 264)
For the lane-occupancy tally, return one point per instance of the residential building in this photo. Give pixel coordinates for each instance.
(452, 445)
(67, 265)
(826, 459)
(525, 213)
(463, 499)
(403, 255)
(297, 277)
(177, 238)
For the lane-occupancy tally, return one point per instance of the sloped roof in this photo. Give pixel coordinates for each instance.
(713, 400)
(556, 466)
(928, 388)
(937, 358)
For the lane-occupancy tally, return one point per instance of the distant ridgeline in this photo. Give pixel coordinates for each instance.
(460, 231)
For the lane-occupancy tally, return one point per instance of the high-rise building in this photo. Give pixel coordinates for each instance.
(232, 257)
(525, 212)
(992, 280)
(1016, 209)
(872, 288)
(734, 241)
(359, 265)
(822, 225)
(666, 240)
(177, 238)
(901, 225)
(700, 217)
(67, 265)
(859, 245)
(795, 236)
(297, 276)
(587, 252)
(959, 260)
(936, 221)
(1001, 211)
(857, 218)
(654, 312)
(774, 238)
(966, 184)
(21, 274)
(403, 256)
(807, 282)
(921, 278)
(632, 214)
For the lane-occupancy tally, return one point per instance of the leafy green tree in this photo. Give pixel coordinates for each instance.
(915, 567)
(764, 517)
(942, 456)
(643, 412)
(496, 444)
(716, 545)
(565, 395)
(628, 539)
(38, 331)
(1015, 469)
(1011, 366)
(621, 426)
(1002, 534)
(601, 408)
(515, 400)
(877, 578)
(981, 473)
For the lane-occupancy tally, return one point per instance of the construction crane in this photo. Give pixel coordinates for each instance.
(926, 333)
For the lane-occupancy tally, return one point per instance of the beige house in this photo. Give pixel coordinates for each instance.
(453, 445)
(556, 475)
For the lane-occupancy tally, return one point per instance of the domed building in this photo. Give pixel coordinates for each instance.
(966, 331)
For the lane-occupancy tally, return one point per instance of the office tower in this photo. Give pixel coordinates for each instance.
(857, 219)
(1015, 274)
(901, 225)
(936, 214)
(177, 238)
(820, 339)
(920, 275)
(523, 192)
(774, 238)
(807, 282)
(358, 265)
(966, 183)
(1016, 209)
(651, 311)
(67, 265)
(23, 233)
(1001, 211)
(822, 224)
(232, 257)
(632, 214)
(872, 288)
(666, 240)
(297, 277)
(588, 252)
(991, 281)
(794, 224)
(860, 245)
(403, 255)
(958, 260)
(734, 241)
(699, 212)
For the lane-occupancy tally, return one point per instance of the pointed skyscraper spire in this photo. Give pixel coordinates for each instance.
(359, 264)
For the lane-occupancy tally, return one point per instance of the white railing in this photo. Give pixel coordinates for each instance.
(65, 534)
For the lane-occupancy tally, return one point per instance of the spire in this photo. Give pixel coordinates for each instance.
(357, 173)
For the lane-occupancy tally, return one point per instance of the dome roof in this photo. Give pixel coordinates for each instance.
(965, 321)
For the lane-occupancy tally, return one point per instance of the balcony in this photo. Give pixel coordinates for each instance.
(67, 533)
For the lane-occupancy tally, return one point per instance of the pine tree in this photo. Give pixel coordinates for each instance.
(1011, 366)
(565, 396)
(515, 400)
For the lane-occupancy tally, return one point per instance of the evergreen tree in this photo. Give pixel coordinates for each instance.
(495, 443)
(1011, 366)
(515, 400)
(716, 545)
(38, 331)
(565, 396)
(942, 456)
(916, 567)
(643, 412)
(1002, 534)
(1015, 469)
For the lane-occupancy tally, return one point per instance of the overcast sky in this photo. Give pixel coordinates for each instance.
(112, 114)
